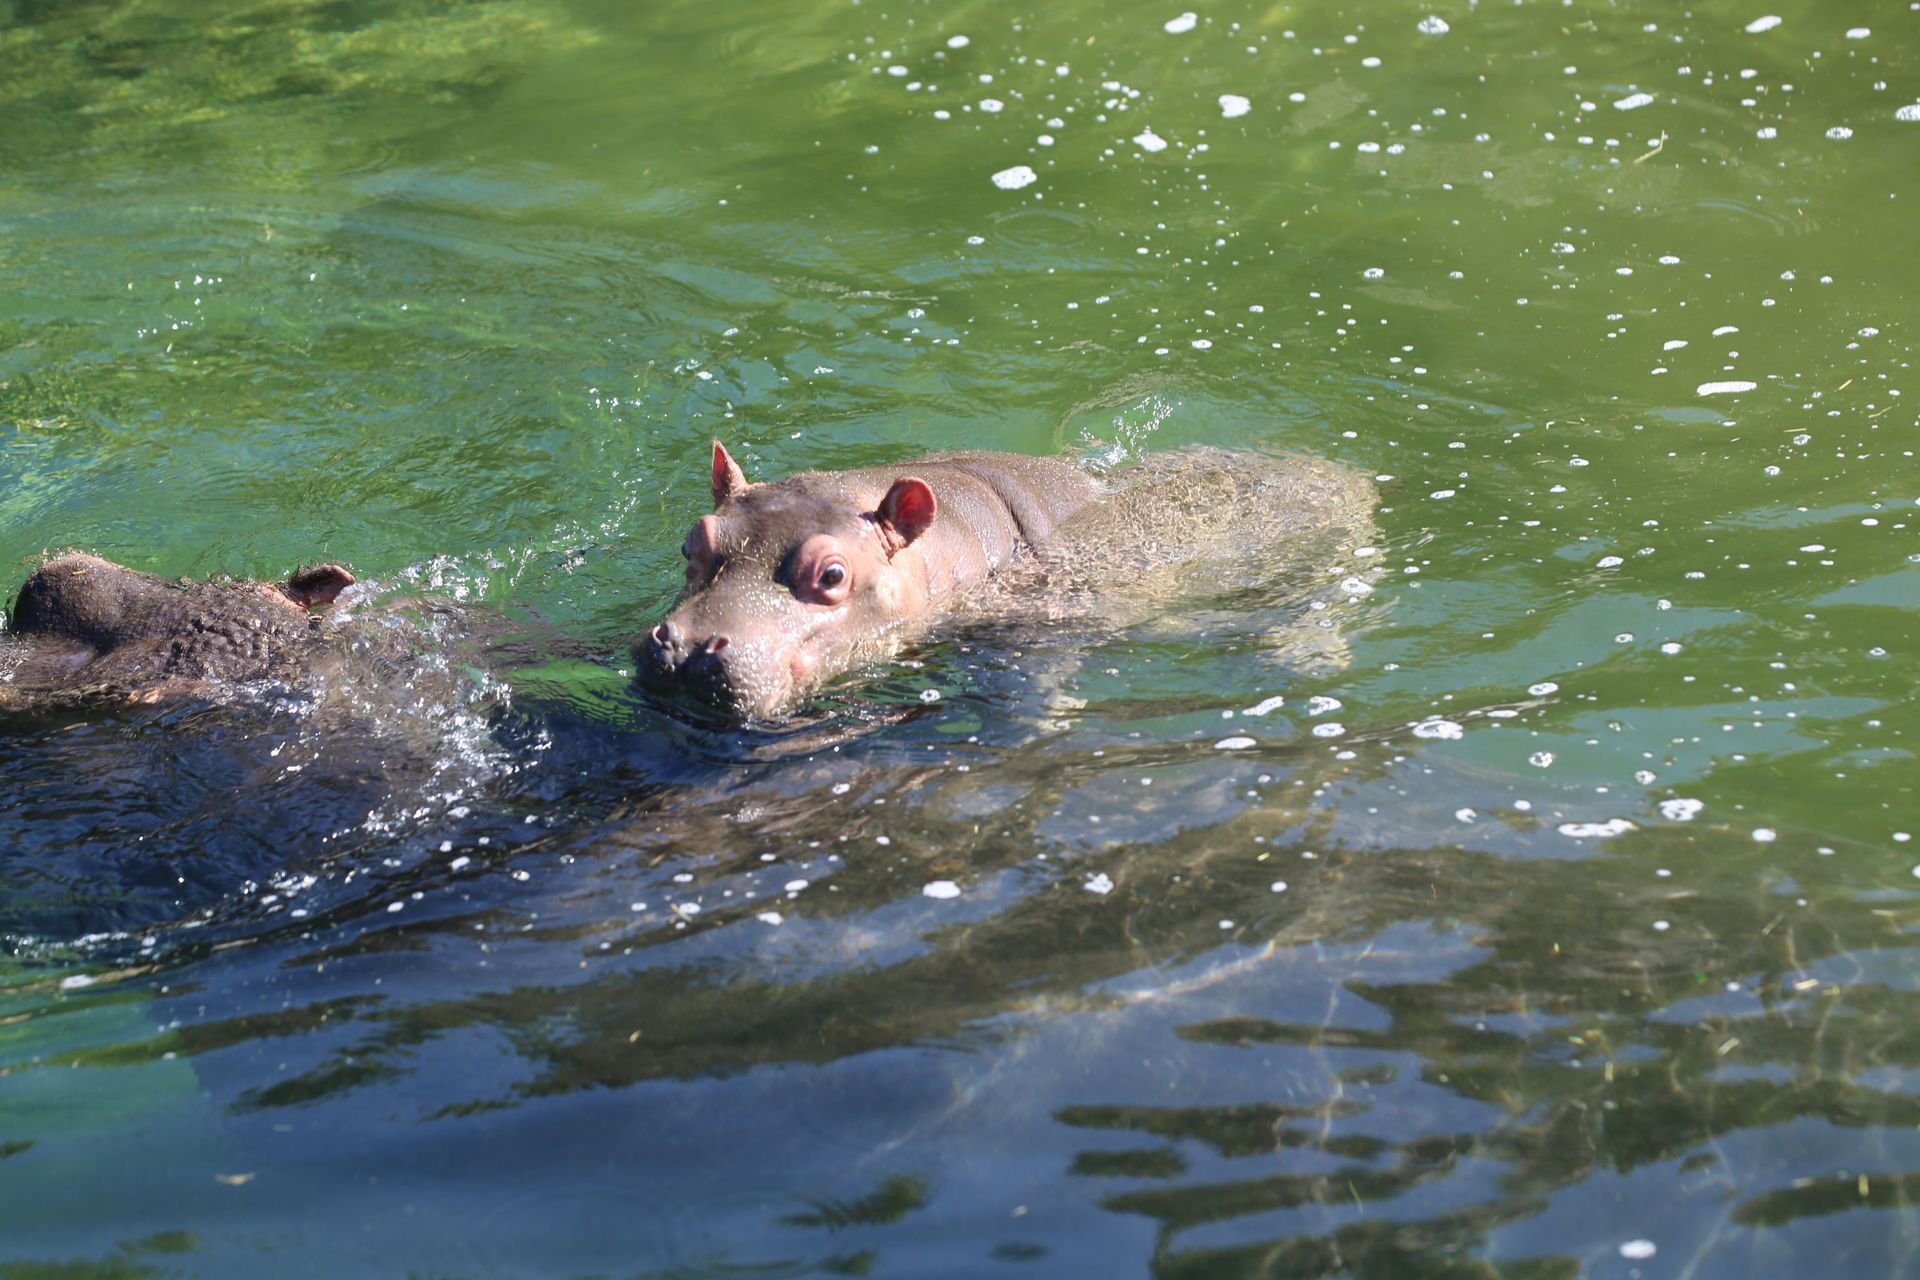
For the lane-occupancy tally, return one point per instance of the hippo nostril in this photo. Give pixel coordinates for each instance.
(714, 645)
(661, 635)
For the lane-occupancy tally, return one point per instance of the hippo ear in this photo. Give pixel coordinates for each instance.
(312, 587)
(908, 509)
(728, 478)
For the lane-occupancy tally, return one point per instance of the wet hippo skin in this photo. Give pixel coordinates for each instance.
(794, 582)
(83, 626)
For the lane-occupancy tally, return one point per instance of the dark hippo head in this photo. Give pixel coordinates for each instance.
(790, 584)
(81, 622)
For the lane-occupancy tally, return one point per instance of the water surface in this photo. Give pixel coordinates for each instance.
(1557, 932)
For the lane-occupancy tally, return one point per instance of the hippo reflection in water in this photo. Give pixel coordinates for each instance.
(789, 584)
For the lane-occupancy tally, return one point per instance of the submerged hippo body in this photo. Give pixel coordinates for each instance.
(83, 626)
(792, 583)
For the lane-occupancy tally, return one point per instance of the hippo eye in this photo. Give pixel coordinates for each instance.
(686, 551)
(832, 576)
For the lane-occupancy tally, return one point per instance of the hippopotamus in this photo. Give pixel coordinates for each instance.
(793, 582)
(86, 627)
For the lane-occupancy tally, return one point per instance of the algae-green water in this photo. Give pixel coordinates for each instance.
(1556, 924)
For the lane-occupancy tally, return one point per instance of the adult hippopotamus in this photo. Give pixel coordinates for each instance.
(86, 627)
(794, 582)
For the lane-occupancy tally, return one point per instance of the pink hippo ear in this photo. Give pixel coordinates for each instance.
(312, 587)
(907, 511)
(728, 478)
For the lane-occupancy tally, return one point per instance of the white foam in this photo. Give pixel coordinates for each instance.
(1148, 140)
(1265, 706)
(1020, 175)
(1433, 25)
(958, 42)
(1723, 388)
(1596, 830)
(1443, 730)
(1232, 104)
(941, 889)
(1909, 114)
(1181, 25)
(1100, 882)
(1681, 809)
(1633, 101)
(1233, 744)
(1767, 23)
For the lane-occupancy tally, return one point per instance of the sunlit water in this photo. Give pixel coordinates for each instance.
(1550, 922)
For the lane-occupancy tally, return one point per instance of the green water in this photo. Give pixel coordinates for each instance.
(1562, 932)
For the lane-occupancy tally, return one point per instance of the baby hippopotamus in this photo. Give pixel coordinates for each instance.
(86, 627)
(792, 583)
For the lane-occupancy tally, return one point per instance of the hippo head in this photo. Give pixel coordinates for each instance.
(790, 584)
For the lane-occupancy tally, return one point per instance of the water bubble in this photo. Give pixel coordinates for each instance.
(992, 105)
(1608, 562)
(1433, 25)
(1765, 835)
(1541, 759)
(958, 42)
(1839, 133)
(1181, 25)
(1542, 689)
(1859, 33)
(1373, 273)
(1464, 815)
(1767, 23)
(1638, 1250)
(1909, 114)
(1329, 729)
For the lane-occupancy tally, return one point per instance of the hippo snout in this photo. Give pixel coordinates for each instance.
(669, 654)
(670, 650)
